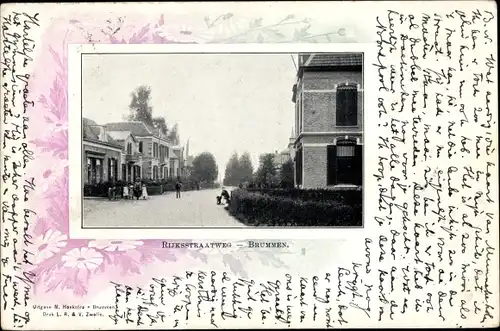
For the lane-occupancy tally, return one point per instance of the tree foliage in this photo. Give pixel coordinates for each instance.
(266, 173)
(205, 168)
(173, 135)
(239, 170)
(286, 174)
(231, 173)
(160, 123)
(245, 168)
(140, 108)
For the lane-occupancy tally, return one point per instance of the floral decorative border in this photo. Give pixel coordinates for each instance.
(62, 263)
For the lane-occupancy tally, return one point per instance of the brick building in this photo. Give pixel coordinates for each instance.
(131, 157)
(101, 154)
(160, 159)
(328, 97)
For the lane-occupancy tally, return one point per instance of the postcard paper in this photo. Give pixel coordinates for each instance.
(249, 165)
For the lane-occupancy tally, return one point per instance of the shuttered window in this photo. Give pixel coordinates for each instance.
(347, 105)
(344, 163)
(331, 164)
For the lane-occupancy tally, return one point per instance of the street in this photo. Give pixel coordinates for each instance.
(193, 209)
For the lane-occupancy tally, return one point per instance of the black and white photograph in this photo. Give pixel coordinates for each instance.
(183, 140)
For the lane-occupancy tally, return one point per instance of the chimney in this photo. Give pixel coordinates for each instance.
(102, 133)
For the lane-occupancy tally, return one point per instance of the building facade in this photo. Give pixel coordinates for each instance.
(157, 154)
(328, 97)
(131, 157)
(101, 154)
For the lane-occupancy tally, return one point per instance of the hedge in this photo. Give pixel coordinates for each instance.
(254, 208)
(153, 187)
(350, 197)
(101, 189)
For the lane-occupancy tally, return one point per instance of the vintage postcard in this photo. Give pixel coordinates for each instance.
(257, 165)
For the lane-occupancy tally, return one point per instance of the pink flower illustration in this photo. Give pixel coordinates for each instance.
(115, 245)
(49, 244)
(58, 170)
(55, 143)
(64, 263)
(82, 258)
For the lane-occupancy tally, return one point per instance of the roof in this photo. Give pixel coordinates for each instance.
(330, 59)
(90, 134)
(328, 62)
(137, 128)
(120, 135)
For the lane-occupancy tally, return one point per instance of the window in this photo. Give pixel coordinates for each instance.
(297, 116)
(301, 113)
(112, 169)
(124, 172)
(344, 163)
(89, 171)
(98, 171)
(347, 105)
(171, 171)
(129, 148)
(155, 172)
(155, 149)
(137, 170)
(162, 152)
(140, 146)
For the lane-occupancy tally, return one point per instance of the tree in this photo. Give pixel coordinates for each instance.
(286, 174)
(205, 168)
(267, 171)
(245, 168)
(140, 109)
(160, 123)
(232, 171)
(173, 135)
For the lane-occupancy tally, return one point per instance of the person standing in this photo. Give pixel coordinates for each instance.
(126, 191)
(178, 186)
(137, 188)
(144, 194)
(112, 189)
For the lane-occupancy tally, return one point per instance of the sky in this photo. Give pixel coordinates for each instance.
(223, 103)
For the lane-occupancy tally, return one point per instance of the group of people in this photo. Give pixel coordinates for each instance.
(224, 195)
(137, 190)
